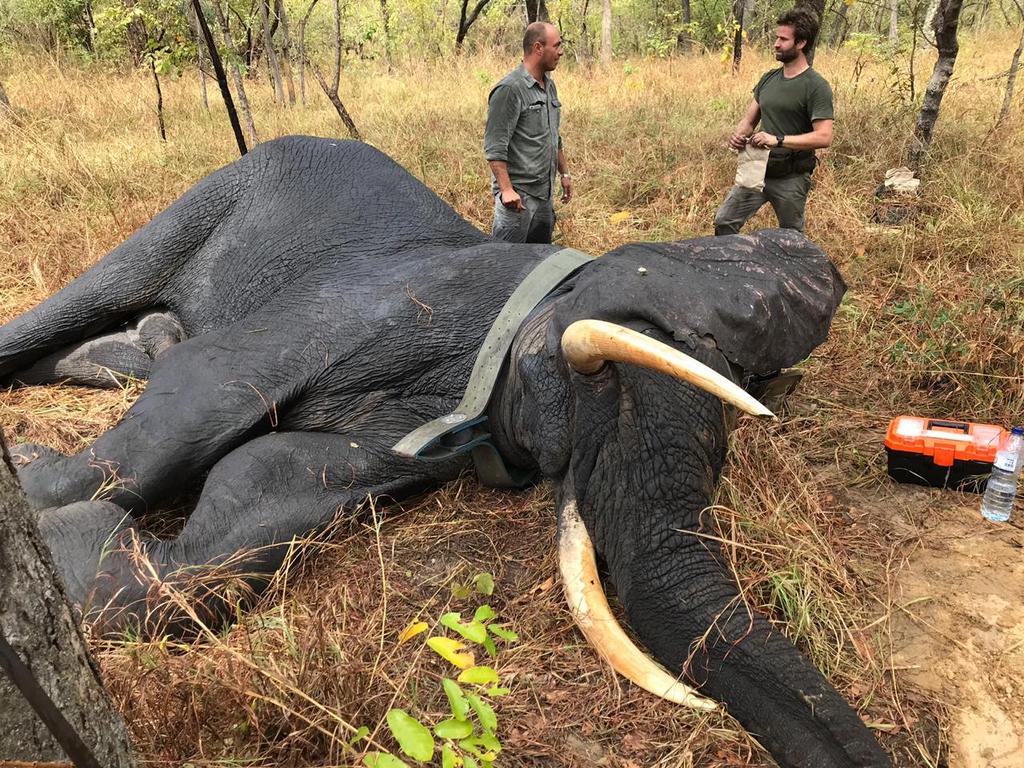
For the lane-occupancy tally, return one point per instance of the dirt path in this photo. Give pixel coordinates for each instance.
(955, 618)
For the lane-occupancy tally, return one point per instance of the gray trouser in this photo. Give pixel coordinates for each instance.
(533, 225)
(787, 194)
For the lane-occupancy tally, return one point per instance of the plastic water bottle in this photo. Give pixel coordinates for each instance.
(1001, 490)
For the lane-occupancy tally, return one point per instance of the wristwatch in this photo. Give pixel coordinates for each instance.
(567, 176)
(779, 138)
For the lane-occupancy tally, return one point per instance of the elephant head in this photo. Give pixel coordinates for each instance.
(331, 304)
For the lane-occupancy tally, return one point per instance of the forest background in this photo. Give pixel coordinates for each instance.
(902, 596)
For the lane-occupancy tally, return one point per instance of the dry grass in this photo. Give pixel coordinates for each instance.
(932, 325)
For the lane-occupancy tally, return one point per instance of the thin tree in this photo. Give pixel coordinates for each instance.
(200, 57)
(1011, 79)
(52, 701)
(683, 38)
(159, 98)
(818, 6)
(236, 77)
(331, 90)
(466, 21)
(536, 10)
(606, 33)
(286, 50)
(385, 15)
(268, 50)
(302, 49)
(944, 24)
(739, 9)
(222, 78)
(894, 19)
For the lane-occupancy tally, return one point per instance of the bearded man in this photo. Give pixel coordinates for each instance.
(794, 107)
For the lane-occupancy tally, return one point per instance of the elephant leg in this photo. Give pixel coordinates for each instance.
(108, 360)
(256, 502)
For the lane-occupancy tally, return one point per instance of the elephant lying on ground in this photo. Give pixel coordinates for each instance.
(332, 304)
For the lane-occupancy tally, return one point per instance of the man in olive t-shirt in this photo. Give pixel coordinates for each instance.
(794, 106)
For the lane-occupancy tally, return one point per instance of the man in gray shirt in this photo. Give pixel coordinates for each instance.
(522, 143)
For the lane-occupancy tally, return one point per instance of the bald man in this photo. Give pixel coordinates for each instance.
(522, 143)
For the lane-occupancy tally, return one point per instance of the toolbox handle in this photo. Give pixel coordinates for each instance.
(961, 425)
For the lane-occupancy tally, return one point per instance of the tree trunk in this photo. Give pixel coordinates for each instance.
(200, 58)
(683, 38)
(268, 49)
(286, 50)
(606, 33)
(465, 22)
(302, 50)
(222, 79)
(738, 10)
(839, 29)
(385, 15)
(159, 100)
(945, 23)
(236, 76)
(5, 104)
(331, 90)
(894, 30)
(818, 6)
(42, 649)
(1011, 80)
(536, 10)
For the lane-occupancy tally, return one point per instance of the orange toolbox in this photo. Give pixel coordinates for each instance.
(940, 453)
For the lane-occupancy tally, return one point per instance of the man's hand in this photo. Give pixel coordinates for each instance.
(511, 199)
(738, 141)
(566, 187)
(764, 140)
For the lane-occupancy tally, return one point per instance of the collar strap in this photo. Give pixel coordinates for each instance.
(439, 439)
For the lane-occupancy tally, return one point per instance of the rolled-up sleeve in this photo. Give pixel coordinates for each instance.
(502, 115)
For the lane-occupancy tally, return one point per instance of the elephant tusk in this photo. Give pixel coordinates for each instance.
(588, 344)
(593, 615)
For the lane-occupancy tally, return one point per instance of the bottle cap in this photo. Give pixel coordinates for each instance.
(1017, 431)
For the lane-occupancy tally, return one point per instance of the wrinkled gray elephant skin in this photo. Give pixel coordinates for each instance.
(329, 304)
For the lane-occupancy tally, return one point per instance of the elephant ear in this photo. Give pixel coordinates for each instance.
(766, 299)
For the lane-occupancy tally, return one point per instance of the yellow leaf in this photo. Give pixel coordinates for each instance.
(412, 630)
(618, 218)
(449, 648)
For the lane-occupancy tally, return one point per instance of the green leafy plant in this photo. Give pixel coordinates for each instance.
(468, 737)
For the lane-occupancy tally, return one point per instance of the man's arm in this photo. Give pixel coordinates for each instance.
(746, 126)
(502, 115)
(819, 138)
(563, 170)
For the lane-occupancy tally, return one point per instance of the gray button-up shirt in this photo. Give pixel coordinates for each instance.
(522, 130)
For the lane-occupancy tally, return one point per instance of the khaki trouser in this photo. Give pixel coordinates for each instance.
(534, 224)
(787, 194)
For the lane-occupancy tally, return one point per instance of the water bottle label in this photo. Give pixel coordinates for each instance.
(1006, 461)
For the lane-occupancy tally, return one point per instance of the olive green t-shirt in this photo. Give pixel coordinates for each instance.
(789, 106)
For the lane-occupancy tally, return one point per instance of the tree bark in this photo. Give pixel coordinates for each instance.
(268, 50)
(302, 50)
(222, 78)
(536, 10)
(200, 58)
(683, 38)
(894, 29)
(840, 27)
(606, 33)
(236, 76)
(818, 6)
(385, 15)
(286, 50)
(465, 22)
(331, 89)
(159, 100)
(944, 24)
(40, 631)
(1011, 80)
(738, 9)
